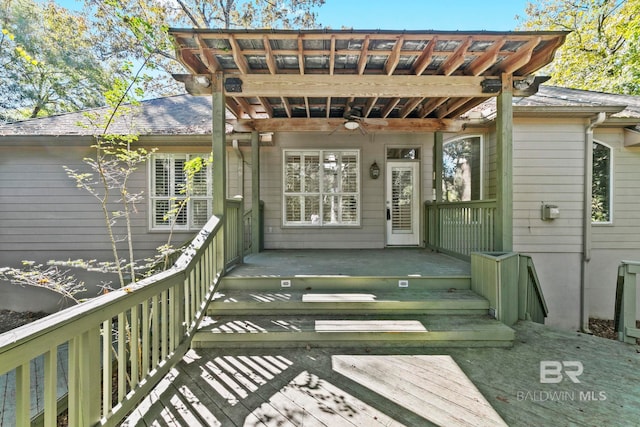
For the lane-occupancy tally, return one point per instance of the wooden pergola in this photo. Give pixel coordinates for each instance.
(393, 81)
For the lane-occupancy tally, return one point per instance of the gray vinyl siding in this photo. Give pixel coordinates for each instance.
(624, 232)
(548, 159)
(371, 232)
(44, 216)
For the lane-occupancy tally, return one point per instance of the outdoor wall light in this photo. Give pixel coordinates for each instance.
(374, 171)
(233, 84)
(203, 81)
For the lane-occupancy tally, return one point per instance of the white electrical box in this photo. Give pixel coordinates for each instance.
(550, 212)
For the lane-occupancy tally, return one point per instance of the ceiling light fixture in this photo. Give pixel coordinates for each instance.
(351, 124)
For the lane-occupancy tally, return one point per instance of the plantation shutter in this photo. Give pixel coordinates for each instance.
(401, 198)
(321, 187)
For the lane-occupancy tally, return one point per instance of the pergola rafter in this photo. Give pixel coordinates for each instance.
(395, 75)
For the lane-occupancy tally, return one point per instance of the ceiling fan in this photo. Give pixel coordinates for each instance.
(354, 120)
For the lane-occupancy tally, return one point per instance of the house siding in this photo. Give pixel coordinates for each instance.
(44, 216)
(620, 240)
(371, 232)
(549, 168)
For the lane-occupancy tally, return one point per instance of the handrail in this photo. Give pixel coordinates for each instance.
(460, 228)
(508, 280)
(531, 303)
(626, 309)
(235, 232)
(133, 335)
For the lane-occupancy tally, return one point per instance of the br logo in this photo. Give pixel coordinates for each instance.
(553, 371)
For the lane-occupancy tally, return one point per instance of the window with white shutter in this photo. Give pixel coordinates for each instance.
(321, 188)
(173, 202)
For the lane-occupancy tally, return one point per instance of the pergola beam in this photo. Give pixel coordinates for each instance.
(330, 125)
(293, 85)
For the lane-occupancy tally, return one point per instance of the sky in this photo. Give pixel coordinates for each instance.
(444, 15)
(465, 15)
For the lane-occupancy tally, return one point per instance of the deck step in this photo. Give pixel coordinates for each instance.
(319, 301)
(353, 330)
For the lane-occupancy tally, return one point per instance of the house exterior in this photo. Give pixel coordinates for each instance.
(385, 182)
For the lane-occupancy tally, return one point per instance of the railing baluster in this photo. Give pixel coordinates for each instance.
(74, 399)
(23, 394)
(164, 321)
(122, 356)
(134, 334)
(155, 331)
(51, 387)
(145, 338)
(107, 366)
(460, 227)
(134, 345)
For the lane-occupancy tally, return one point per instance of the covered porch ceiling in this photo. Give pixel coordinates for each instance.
(402, 81)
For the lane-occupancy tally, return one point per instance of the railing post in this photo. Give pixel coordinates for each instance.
(628, 304)
(255, 192)
(437, 183)
(219, 150)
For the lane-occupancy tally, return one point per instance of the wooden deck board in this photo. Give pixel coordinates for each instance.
(300, 381)
(400, 262)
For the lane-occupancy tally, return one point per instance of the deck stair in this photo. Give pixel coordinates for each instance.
(326, 315)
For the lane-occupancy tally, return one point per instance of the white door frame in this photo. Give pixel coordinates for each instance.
(407, 234)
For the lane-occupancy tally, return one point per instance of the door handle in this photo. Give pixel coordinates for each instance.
(388, 214)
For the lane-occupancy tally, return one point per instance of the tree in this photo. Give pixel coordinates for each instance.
(602, 51)
(48, 64)
(122, 21)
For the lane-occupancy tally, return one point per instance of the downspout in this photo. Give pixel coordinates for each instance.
(586, 220)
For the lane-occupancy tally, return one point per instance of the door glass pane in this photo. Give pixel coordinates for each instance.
(401, 198)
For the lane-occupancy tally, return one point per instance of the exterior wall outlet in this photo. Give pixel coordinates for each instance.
(403, 283)
(285, 283)
(550, 212)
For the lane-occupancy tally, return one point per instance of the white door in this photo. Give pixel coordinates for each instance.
(403, 203)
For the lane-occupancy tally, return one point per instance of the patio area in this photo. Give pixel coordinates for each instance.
(408, 386)
(389, 262)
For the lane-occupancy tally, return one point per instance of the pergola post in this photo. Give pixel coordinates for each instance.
(219, 160)
(438, 142)
(255, 192)
(504, 151)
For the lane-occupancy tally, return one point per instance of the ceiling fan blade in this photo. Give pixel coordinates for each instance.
(375, 122)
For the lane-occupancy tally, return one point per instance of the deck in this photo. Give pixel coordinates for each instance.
(389, 262)
(407, 386)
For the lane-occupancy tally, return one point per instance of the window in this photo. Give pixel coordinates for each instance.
(321, 187)
(601, 184)
(403, 153)
(174, 201)
(462, 169)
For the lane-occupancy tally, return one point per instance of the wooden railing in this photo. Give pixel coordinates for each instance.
(460, 228)
(115, 347)
(531, 303)
(626, 308)
(235, 227)
(509, 282)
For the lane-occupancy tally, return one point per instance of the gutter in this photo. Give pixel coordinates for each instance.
(586, 220)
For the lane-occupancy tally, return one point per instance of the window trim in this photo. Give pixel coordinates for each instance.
(190, 211)
(481, 162)
(321, 153)
(611, 184)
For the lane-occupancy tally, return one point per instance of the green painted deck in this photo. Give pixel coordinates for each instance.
(403, 386)
(389, 262)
